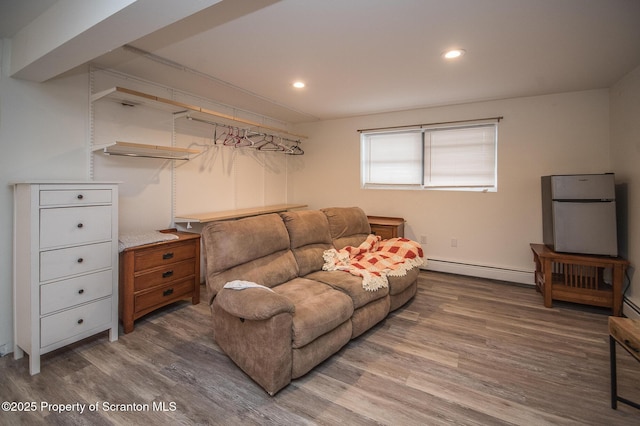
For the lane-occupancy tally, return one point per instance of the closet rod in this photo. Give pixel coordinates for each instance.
(213, 123)
(431, 124)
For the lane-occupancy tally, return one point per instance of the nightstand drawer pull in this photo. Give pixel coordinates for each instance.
(168, 255)
(80, 321)
(81, 291)
(80, 196)
(167, 274)
(80, 260)
(167, 292)
(80, 225)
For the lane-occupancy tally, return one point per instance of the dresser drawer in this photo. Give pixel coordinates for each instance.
(74, 261)
(75, 291)
(160, 276)
(75, 197)
(163, 295)
(74, 225)
(164, 255)
(63, 325)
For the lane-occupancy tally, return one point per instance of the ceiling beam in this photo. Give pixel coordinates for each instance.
(74, 32)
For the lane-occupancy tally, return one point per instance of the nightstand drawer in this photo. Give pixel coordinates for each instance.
(75, 197)
(161, 276)
(69, 323)
(74, 261)
(165, 254)
(75, 291)
(163, 295)
(384, 232)
(74, 225)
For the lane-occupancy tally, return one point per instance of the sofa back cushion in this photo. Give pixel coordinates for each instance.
(309, 237)
(348, 226)
(252, 249)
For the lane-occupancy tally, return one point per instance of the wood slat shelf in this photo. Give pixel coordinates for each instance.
(578, 278)
(237, 214)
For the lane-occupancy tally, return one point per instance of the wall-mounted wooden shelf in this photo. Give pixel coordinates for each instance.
(237, 214)
(133, 98)
(130, 149)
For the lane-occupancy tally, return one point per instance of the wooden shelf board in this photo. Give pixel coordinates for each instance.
(133, 97)
(237, 214)
(131, 149)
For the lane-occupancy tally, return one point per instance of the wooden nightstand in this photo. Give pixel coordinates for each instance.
(387, 227)
(154, 275)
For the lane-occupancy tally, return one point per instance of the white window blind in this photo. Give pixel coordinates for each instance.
(453, 157)
(460, 157)
(393, 158)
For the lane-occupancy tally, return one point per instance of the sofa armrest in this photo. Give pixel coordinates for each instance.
(253, 303)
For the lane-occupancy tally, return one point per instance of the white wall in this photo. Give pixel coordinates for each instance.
(555, 134)
(625, 153)
(43, 129)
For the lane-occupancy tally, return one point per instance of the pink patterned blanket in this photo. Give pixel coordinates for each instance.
(375, 259)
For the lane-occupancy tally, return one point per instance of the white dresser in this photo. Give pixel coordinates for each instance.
(65, 280)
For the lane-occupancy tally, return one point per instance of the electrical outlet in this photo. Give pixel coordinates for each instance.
(454, 242)
(423, 239)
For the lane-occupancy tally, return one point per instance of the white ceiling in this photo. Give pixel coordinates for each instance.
(366, 56)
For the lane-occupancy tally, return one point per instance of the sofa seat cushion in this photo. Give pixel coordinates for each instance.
(398, 284)
(349, 284)
(318, 308)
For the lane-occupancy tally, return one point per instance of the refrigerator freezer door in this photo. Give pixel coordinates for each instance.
(583, 187)
(588, 228)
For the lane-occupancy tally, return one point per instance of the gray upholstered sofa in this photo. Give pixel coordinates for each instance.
(278, 334)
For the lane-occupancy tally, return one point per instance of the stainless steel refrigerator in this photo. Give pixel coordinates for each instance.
(579, 214)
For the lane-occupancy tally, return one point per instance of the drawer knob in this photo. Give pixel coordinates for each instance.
(80, 196)
(80, 260)
(167, 274)
(167, 292)
(80, 225)
(81, 291)
(168, 255)
(80, 321)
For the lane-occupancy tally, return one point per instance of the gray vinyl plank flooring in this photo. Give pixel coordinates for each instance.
(464, 351)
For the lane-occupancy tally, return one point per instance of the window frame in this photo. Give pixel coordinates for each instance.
(366, 161)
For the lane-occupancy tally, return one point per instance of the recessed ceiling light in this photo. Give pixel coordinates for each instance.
(453, 54)
(298, 84)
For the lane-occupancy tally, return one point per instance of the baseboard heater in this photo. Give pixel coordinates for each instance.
(482, 271)
(630, 309)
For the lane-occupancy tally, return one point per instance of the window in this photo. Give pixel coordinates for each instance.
(454, 157)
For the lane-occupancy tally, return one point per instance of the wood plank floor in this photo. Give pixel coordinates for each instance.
(464, 351)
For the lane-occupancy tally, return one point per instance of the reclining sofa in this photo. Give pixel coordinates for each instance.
(300, 314)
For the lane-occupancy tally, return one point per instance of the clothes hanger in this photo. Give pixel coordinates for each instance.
(244, 140)
(231, 138)
(295, 149)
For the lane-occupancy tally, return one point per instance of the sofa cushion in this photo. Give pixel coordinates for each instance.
(253, 303)
(349, 284)
(309, 237)
(318, 308)
(349, 226)
(251, 249)
(397, 284)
